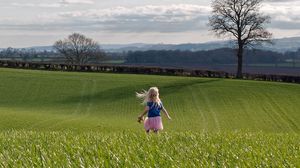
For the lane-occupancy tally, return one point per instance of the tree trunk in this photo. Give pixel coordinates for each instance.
(239, 73)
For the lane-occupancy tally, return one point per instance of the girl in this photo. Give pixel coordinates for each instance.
(153, 106)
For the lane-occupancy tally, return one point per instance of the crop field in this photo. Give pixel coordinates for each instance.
(69, 119)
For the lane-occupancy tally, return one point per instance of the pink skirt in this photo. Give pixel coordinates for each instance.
(153, 123)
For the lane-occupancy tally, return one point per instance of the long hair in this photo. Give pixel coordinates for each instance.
(152, 95)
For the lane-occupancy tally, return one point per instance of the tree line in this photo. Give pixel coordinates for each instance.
(27, 54)
(217, 56)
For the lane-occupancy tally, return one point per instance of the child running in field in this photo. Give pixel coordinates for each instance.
(153, 106)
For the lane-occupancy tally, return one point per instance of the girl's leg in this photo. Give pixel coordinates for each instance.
(155, 131)
(147, 131)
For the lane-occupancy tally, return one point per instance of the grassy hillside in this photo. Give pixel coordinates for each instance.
(41, 100)
(67, 119)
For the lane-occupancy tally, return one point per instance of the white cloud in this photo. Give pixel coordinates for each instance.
(149, 18)
(43, 5)
(162, 22)
(283, 11)
(77, 2)
(159, 12)
(275, 1)
(61, 3)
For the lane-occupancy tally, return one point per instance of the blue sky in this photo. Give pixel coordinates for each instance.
(41, 22)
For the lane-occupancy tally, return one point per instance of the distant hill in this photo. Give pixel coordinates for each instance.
(282, 45)
(42, 48)
(279, 45)
(182, 47)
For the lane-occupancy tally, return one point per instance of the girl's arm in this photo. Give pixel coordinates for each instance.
(145, 112)
(166, 113)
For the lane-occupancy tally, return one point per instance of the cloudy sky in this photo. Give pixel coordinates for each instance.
(41, 22)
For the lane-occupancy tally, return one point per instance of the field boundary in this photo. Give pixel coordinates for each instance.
(145, 70)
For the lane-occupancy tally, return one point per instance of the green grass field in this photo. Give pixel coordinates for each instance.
(89, 119)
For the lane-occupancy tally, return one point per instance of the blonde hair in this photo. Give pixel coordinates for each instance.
(151, 95)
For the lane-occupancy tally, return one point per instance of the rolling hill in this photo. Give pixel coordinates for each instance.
(67, 119)
(41, 100)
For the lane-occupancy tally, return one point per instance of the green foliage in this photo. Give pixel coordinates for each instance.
(128, 149)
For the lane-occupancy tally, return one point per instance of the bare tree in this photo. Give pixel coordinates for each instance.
(242, 20)
(78, 49)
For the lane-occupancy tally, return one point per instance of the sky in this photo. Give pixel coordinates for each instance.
(25, 23)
